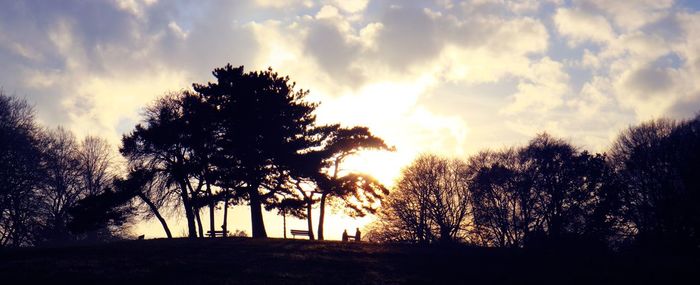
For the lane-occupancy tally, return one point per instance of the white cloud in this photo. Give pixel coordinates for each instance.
(630, 15)
(351, 6)
(542, 90)
(99, 104)
(284, 4)
(580, 26)
(135, 7)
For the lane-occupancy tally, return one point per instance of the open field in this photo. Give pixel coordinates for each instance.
(242, 260)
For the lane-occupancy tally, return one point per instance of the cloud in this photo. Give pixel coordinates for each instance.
(449, 76)
(408, 36)
(354, 6)
(542, 90)
(580, 26)
(283, 4)
(630, 15)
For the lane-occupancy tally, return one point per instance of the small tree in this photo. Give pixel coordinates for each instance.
(359, 192)
(288, 207)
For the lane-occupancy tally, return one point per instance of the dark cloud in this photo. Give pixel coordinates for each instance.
(686, 108)
(216, 35)
(650, 80)
(408, 36)
(333, 52)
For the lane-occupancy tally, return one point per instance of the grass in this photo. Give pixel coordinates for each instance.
(249, 261)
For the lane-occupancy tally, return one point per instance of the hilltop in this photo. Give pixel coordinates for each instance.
(243, 260)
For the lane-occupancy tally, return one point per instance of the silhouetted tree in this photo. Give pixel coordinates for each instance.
(501, 198)
(62, 187)
(160, 145)
(152, 190)
(429, 204)
(359, 192)
(263, 126)
(20, 172)
(567, 186)
(658, 163)
(288, 207)
(101, 216)
(202, 139)
(547, 191)
(96, 166)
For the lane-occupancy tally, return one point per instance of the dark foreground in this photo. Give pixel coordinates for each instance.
(241, 260)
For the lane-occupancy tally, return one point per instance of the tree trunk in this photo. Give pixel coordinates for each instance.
(284, 227)
(256, 218)
(155, 211)
(199, 222)
(224, 227)
(309, 221)
(189, 214)
(321, 216)
(212, 206)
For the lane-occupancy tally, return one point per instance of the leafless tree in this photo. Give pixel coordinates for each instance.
(20, 172)
(96, 165)
(430, 203)
(61, 186)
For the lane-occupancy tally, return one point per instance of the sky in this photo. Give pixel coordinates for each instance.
(442, 76)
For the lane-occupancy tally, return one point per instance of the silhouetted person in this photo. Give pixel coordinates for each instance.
(345, 235)
(357, 234)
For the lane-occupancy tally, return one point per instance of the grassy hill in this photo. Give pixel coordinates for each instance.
(243, 260)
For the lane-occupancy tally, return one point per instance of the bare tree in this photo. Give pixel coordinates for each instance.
(429, 204)
(501, 199)
(658, 163)
(61, 185)
(96, 165)
(20, 172)
(546, 191)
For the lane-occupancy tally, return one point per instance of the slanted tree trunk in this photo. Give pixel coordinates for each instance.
(156, 213)
(189, 214)
(321, 215)
(256, 218)
(199, 222)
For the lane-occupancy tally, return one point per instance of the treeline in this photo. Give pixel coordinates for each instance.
(248, 138)
(644, 192)
(43, 174)
(251, 138)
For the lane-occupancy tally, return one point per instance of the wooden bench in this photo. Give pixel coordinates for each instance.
(296, 233)
(347, 237)
(217, 233)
